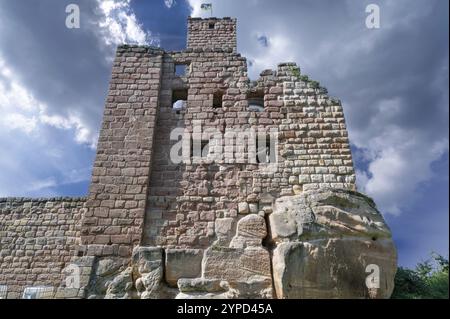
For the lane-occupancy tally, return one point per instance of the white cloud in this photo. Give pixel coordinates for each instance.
(114, 24)
(267, 57)
(119, 24)
(22, 111)
(399, 158)
(41, 184)
(169, 3)
(18, 121)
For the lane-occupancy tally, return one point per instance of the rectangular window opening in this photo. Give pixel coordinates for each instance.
(181, 69)
(265, 150)
(217, 100)
(179, 100)
(256, 101)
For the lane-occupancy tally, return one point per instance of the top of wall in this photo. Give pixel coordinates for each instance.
(212, 33)
(18, 201)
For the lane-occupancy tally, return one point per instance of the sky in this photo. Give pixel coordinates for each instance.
(392, 81)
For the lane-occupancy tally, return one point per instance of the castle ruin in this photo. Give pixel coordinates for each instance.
(275, 214)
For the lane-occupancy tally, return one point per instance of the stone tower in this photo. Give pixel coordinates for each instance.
(207, 184)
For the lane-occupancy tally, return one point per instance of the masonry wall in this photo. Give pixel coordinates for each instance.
(188, 202)
(38, 239)
(211, 33)
(138, 196)
(114, 220)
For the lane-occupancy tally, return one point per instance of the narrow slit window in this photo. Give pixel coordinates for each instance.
(211, 25)
(265, 149)
(217, 100)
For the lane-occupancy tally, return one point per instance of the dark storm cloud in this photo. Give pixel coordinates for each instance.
(65, 68)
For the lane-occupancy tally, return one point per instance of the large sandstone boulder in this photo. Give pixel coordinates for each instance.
(182, 263)
(331, 244)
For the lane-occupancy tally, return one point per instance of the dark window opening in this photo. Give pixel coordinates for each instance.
(181, 69)
(211, 25)
(256, 101)
(265, 149)
(217, 100)
(199, 148)
(179, 98)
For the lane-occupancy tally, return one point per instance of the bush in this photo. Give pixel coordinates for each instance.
(429, 280)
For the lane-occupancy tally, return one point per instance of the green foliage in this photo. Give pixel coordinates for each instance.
(314, 84)
(296, 72)
(304, 78)
(429, 280)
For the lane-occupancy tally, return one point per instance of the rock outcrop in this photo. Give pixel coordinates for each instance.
(327, 244)
(318, 244)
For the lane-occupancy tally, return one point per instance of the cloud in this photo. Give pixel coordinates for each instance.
(53, 85)
(22, 111)
(76, 64)
(118, 24)
(263, 40)
(169, 3)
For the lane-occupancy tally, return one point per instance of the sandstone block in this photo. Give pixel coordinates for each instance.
(236, 264)
(223, 226)
(182, 263)
(243, 208)
(333, 268)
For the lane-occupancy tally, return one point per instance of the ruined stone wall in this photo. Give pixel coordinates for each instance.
(152, 227)
(211, 33)
(188, 201)
(38, 239)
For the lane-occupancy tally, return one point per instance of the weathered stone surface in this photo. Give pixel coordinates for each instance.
(232, 264)
(251, 230)
(200, 288)
(282, 225)
(107, 267)
(325, 240)
(243, 208)
(148, 269)
(182, 263)
(333, 268)
(201, 285)
(326, 213)
(121, 285)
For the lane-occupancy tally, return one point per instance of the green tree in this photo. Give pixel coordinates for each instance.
(429, 280)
